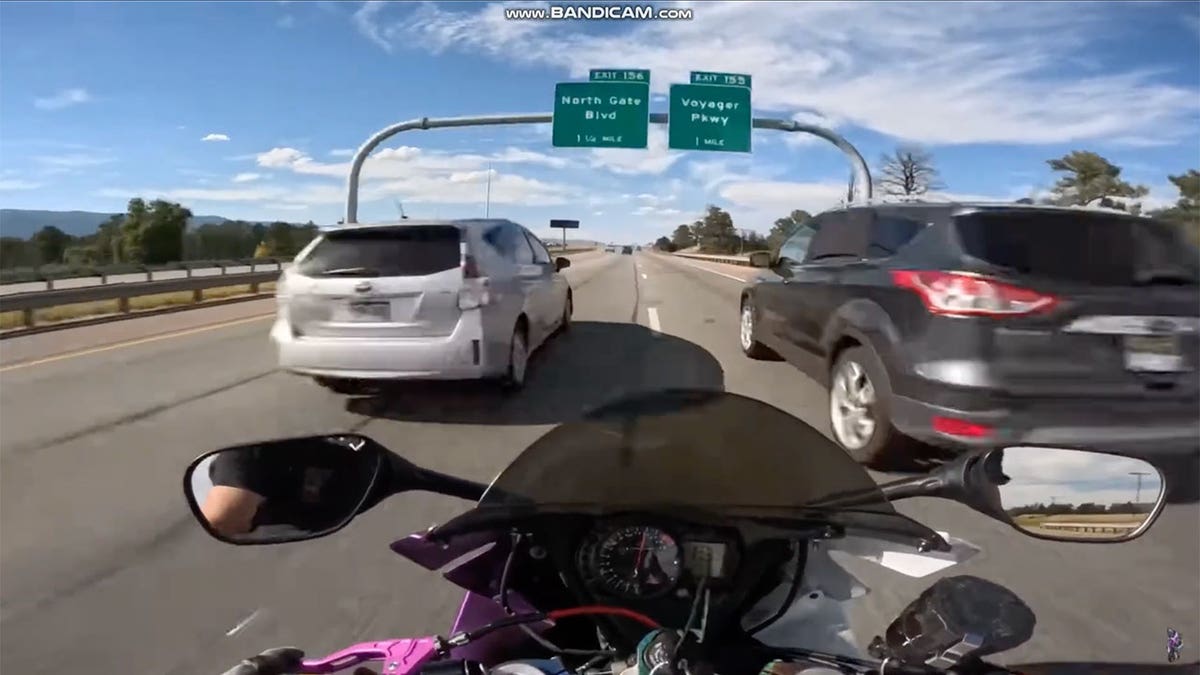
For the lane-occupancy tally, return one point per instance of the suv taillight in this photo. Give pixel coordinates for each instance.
(474, 291)
(961, 294)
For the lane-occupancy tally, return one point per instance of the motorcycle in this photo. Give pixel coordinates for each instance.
(678, 532)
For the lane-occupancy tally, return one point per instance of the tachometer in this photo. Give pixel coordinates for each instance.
(638, 562)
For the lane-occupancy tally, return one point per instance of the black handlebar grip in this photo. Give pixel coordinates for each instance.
(277, 661)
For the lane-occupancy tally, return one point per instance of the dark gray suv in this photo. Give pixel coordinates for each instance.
(967, 325)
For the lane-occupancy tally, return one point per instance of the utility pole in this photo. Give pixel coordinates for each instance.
(1139, 474)
(487, 208)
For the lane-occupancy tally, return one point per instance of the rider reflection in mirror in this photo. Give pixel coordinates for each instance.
(307, 488)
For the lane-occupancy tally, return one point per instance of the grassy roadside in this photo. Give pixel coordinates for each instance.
(61, 313)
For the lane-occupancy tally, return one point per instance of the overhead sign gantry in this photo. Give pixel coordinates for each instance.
(712, 112)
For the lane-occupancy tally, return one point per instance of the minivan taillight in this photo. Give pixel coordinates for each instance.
(474, 291)
(962, 294)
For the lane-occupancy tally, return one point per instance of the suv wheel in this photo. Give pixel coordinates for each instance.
(518, 361)
(568, 307)
(747, 331)
(859, 407)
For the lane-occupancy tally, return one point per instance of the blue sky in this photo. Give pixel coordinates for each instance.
(100, 102)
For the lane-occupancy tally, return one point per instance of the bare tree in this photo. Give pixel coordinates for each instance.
(909, 171)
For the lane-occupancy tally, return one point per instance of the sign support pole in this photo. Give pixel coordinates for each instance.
(860, 179)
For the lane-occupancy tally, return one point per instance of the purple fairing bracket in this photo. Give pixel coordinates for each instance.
(479, 575)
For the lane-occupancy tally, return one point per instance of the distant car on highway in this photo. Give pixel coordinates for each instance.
(972, 324)
(420, 300)
(626, 250)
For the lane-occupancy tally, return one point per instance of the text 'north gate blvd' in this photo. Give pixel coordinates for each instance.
(602, 114)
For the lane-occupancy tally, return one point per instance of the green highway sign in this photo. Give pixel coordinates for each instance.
(727, 79)
(618, 75)
(602, 114)
(712, 113)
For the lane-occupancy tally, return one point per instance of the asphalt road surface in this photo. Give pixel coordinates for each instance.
(103, 569)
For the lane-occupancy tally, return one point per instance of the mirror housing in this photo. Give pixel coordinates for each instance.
(761, 259)
(301, 488)
(561, 264)
(1013, 485)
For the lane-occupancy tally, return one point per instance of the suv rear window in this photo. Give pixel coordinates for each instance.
(410, 251)
(1085, 247)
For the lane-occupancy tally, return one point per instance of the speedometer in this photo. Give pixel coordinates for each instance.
(638, 562)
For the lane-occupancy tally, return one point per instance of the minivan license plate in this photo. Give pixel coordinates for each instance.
(1154, 354)
(370, 311)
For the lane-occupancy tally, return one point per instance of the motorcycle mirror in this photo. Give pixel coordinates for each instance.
(1062, 494)
(284, 490)
(1076, 495)
(307, 487)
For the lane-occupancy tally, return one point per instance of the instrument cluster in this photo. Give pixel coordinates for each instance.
(637, 561)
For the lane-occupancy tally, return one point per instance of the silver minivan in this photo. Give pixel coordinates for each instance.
(419, 300)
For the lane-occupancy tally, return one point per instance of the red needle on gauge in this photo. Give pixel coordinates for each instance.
(637, 563)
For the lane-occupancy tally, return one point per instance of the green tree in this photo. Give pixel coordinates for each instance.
(753, 241)
(132, 228)
(107, 241)
(164, 232)
(1089, 178)
(908, 171)
(51, 243)
(716, 232)
(664, 244)
(16, 252)
(1186, 211)
(784, 227)
(682, 237)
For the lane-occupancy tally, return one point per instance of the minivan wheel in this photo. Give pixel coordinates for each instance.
(859, 407)
(518, 361)
(747, 331)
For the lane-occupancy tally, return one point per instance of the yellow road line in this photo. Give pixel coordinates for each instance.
(138, 341)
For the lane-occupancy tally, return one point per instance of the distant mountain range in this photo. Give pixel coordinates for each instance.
(24, 223)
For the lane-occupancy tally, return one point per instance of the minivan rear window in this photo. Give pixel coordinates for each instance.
(1080, 246)
(409, 251)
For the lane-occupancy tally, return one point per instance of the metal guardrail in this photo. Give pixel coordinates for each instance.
(742, 260)
(1091, 527)
(27, 303)
(107, 274)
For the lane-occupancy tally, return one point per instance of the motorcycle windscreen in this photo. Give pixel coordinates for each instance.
(715, 451)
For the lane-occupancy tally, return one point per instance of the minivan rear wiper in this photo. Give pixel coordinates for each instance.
(1166, 276)
(351, 272)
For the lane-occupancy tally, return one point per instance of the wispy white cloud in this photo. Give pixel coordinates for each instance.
(72, 160)
(215, 137)
(654, 160)
(63, 99)
(246, 177)
(16, 184)
(342, 152)
(980, 73)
